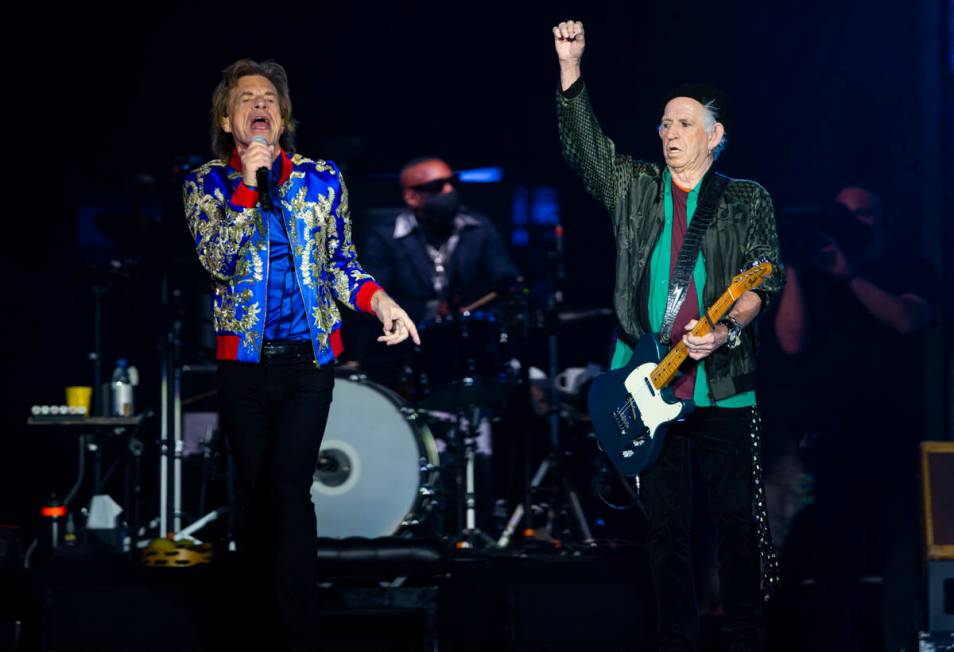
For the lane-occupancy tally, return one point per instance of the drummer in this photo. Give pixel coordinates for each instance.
(433, 257)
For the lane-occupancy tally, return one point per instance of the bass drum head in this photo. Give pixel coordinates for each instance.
(369, 483)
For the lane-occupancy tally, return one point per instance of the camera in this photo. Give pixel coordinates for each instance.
(804, 230)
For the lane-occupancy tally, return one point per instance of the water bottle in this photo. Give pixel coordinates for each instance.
(121, 390)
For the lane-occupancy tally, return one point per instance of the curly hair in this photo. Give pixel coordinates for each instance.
(222, 142)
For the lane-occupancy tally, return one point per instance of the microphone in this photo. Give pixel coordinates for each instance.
(262, 180)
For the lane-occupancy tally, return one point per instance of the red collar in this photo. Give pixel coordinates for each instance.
(236, 164)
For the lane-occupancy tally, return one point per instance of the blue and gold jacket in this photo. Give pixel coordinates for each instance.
(232, 240)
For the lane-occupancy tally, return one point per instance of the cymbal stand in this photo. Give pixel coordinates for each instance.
(551, 465)
(470, 536)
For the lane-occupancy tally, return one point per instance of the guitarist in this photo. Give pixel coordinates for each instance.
(652, 207)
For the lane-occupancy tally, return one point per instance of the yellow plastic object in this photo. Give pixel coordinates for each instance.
(165, 553)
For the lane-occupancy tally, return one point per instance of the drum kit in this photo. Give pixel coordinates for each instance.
(379, 472)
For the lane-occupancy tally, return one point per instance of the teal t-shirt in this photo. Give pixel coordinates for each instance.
(659, 293)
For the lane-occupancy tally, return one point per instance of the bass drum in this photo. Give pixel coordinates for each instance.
(378, 464)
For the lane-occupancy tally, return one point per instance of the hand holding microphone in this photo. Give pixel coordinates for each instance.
(256, 163)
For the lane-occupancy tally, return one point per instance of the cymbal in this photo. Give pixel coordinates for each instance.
(569, 316)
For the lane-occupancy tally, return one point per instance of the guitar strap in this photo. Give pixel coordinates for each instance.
(701, 220)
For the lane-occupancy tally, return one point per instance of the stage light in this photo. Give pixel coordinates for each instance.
(481, 175)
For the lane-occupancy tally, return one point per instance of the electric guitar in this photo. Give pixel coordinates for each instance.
(632, 407)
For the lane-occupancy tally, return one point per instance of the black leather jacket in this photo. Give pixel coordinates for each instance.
(742, 233)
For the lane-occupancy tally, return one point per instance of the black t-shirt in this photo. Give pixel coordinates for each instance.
(856, 370)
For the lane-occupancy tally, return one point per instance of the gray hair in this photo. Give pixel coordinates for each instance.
(710, 113)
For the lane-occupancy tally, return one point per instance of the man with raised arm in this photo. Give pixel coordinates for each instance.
(651, 206)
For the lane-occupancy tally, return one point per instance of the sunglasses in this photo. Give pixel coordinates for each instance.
(437, 185)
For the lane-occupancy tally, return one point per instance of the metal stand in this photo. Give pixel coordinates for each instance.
(470, 536)
(170, 445)
(551, 465)
(573, 502)
(133, 492)
(214, 515)
(230, 509)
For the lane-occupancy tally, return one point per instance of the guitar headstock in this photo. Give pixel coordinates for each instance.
(750, 278)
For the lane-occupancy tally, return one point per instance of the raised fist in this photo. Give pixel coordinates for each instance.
(569, 41)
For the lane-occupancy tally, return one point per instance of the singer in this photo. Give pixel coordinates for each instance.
(272, 229)
(664, 253)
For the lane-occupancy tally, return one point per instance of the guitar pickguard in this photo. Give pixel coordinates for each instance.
(651, 405)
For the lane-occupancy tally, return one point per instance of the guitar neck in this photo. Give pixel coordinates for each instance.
(665, 371)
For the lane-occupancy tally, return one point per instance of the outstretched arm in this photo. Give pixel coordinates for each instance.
(605, 174)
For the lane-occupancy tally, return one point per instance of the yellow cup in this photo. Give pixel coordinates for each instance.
(78, 396)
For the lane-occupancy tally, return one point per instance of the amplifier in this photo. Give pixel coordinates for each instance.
(937, 477)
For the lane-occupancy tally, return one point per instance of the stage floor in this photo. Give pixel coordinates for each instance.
(593, 601)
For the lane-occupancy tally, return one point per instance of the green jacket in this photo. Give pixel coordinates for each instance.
(742, 233)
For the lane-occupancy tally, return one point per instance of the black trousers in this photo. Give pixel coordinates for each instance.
(274, 415)
(719, 440)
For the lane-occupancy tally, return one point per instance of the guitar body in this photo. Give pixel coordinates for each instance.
(632, 407)
(630, 416)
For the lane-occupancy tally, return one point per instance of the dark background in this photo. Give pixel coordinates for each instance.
(102, 105)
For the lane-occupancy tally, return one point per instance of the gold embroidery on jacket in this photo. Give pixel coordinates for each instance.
(345, 270)
(217, 229)
(314, 215)
(250, 268)
(227, 308)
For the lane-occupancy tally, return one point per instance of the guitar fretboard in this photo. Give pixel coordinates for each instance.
(666, 370)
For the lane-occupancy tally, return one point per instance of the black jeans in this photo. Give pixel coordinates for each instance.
(719, 440)
(274, 416)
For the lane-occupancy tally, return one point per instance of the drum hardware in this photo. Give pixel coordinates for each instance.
(378, 467)
(187, 533)
(170, 435)
(208, 448)
(462, 364)
(551, 465)
(470, 536)
(331, 463)
(461, 374)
